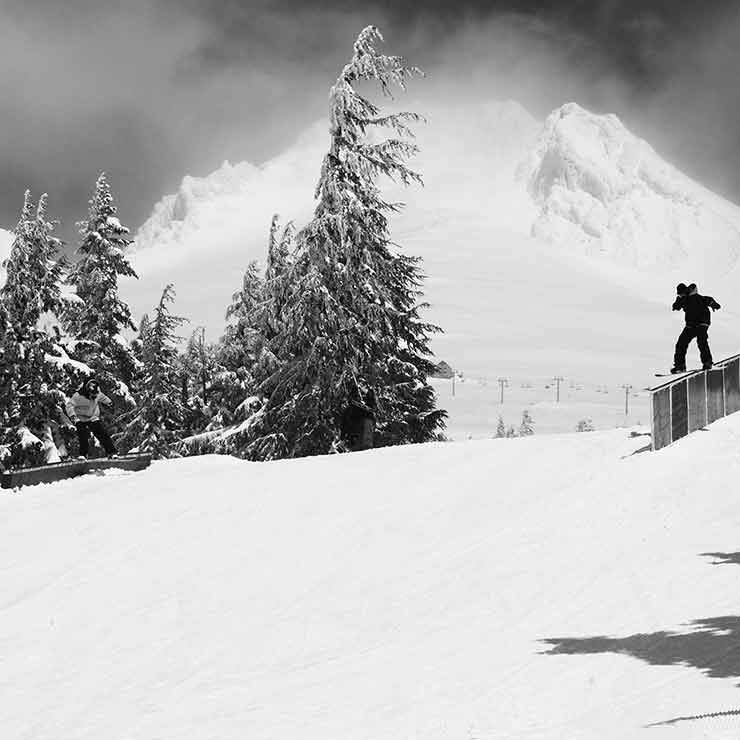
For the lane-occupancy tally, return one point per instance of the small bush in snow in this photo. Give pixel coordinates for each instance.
(526, 428)
(500, 428)
(585, 425)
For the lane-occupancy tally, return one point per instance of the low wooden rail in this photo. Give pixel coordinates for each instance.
(688, 402)
(72, 469)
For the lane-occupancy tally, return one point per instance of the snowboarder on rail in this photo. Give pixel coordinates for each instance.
(698, 318)
(83, 410)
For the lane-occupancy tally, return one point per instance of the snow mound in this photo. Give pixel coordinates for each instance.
(550, 587)
(603, 191)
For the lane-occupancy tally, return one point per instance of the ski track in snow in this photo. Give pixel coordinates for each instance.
(435, 591)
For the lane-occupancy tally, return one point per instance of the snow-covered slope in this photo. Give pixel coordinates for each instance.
(549, 249)
(551, 587)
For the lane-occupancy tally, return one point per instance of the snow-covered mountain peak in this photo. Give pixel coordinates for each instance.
(235, 203)
(602, 190)
(176, 209)
(508, 201)
(226, 179)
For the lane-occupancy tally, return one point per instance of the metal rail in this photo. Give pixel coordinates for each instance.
(690, 401)
(682, 376)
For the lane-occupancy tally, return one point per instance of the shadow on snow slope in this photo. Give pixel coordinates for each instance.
(723, 558)
(712, 645)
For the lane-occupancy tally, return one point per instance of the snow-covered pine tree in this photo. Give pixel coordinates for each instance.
(157, 422)
(243, 357)
(198, 367)
(526, 428)
(280, 250)
(500, 428)
(255, 313)
(31, 379)
(98, 319)
(350, 321)
(137, 345)
(243, 338)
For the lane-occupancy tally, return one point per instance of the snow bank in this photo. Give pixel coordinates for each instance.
(530, 588)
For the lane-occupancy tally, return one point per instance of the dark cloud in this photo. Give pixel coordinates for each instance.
(150, 90)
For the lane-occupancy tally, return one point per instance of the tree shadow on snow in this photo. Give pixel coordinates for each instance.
(710, 645)
(723, 558)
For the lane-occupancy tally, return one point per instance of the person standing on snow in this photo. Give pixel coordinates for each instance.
(83, 410)
(358, 421)
(698, 318)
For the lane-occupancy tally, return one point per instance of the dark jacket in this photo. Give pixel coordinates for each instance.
(356, 414)
(696, 307)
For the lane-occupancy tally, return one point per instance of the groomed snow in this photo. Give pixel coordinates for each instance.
(440, 592)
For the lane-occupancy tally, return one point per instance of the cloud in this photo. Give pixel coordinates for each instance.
(150, 90)
(84, 91)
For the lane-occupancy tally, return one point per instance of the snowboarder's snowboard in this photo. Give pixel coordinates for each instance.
(71, 469)
(678, 375)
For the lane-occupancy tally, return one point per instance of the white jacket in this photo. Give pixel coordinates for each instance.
(82, 408)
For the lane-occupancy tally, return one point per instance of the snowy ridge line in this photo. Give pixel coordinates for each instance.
(692, 717)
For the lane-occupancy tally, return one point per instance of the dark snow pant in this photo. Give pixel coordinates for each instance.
(691, 331)
(361, 436)
(96, 427)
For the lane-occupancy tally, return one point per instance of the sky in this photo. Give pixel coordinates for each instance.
(152, 90)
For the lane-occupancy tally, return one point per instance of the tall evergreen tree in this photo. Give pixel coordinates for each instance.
(99, 318)
(198, 367)
(31, 379)
(280, 248)
(350, 321)
(157, 422)
(243, 357)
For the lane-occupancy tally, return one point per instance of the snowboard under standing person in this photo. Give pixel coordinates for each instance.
(698, 318)
(83, 410)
